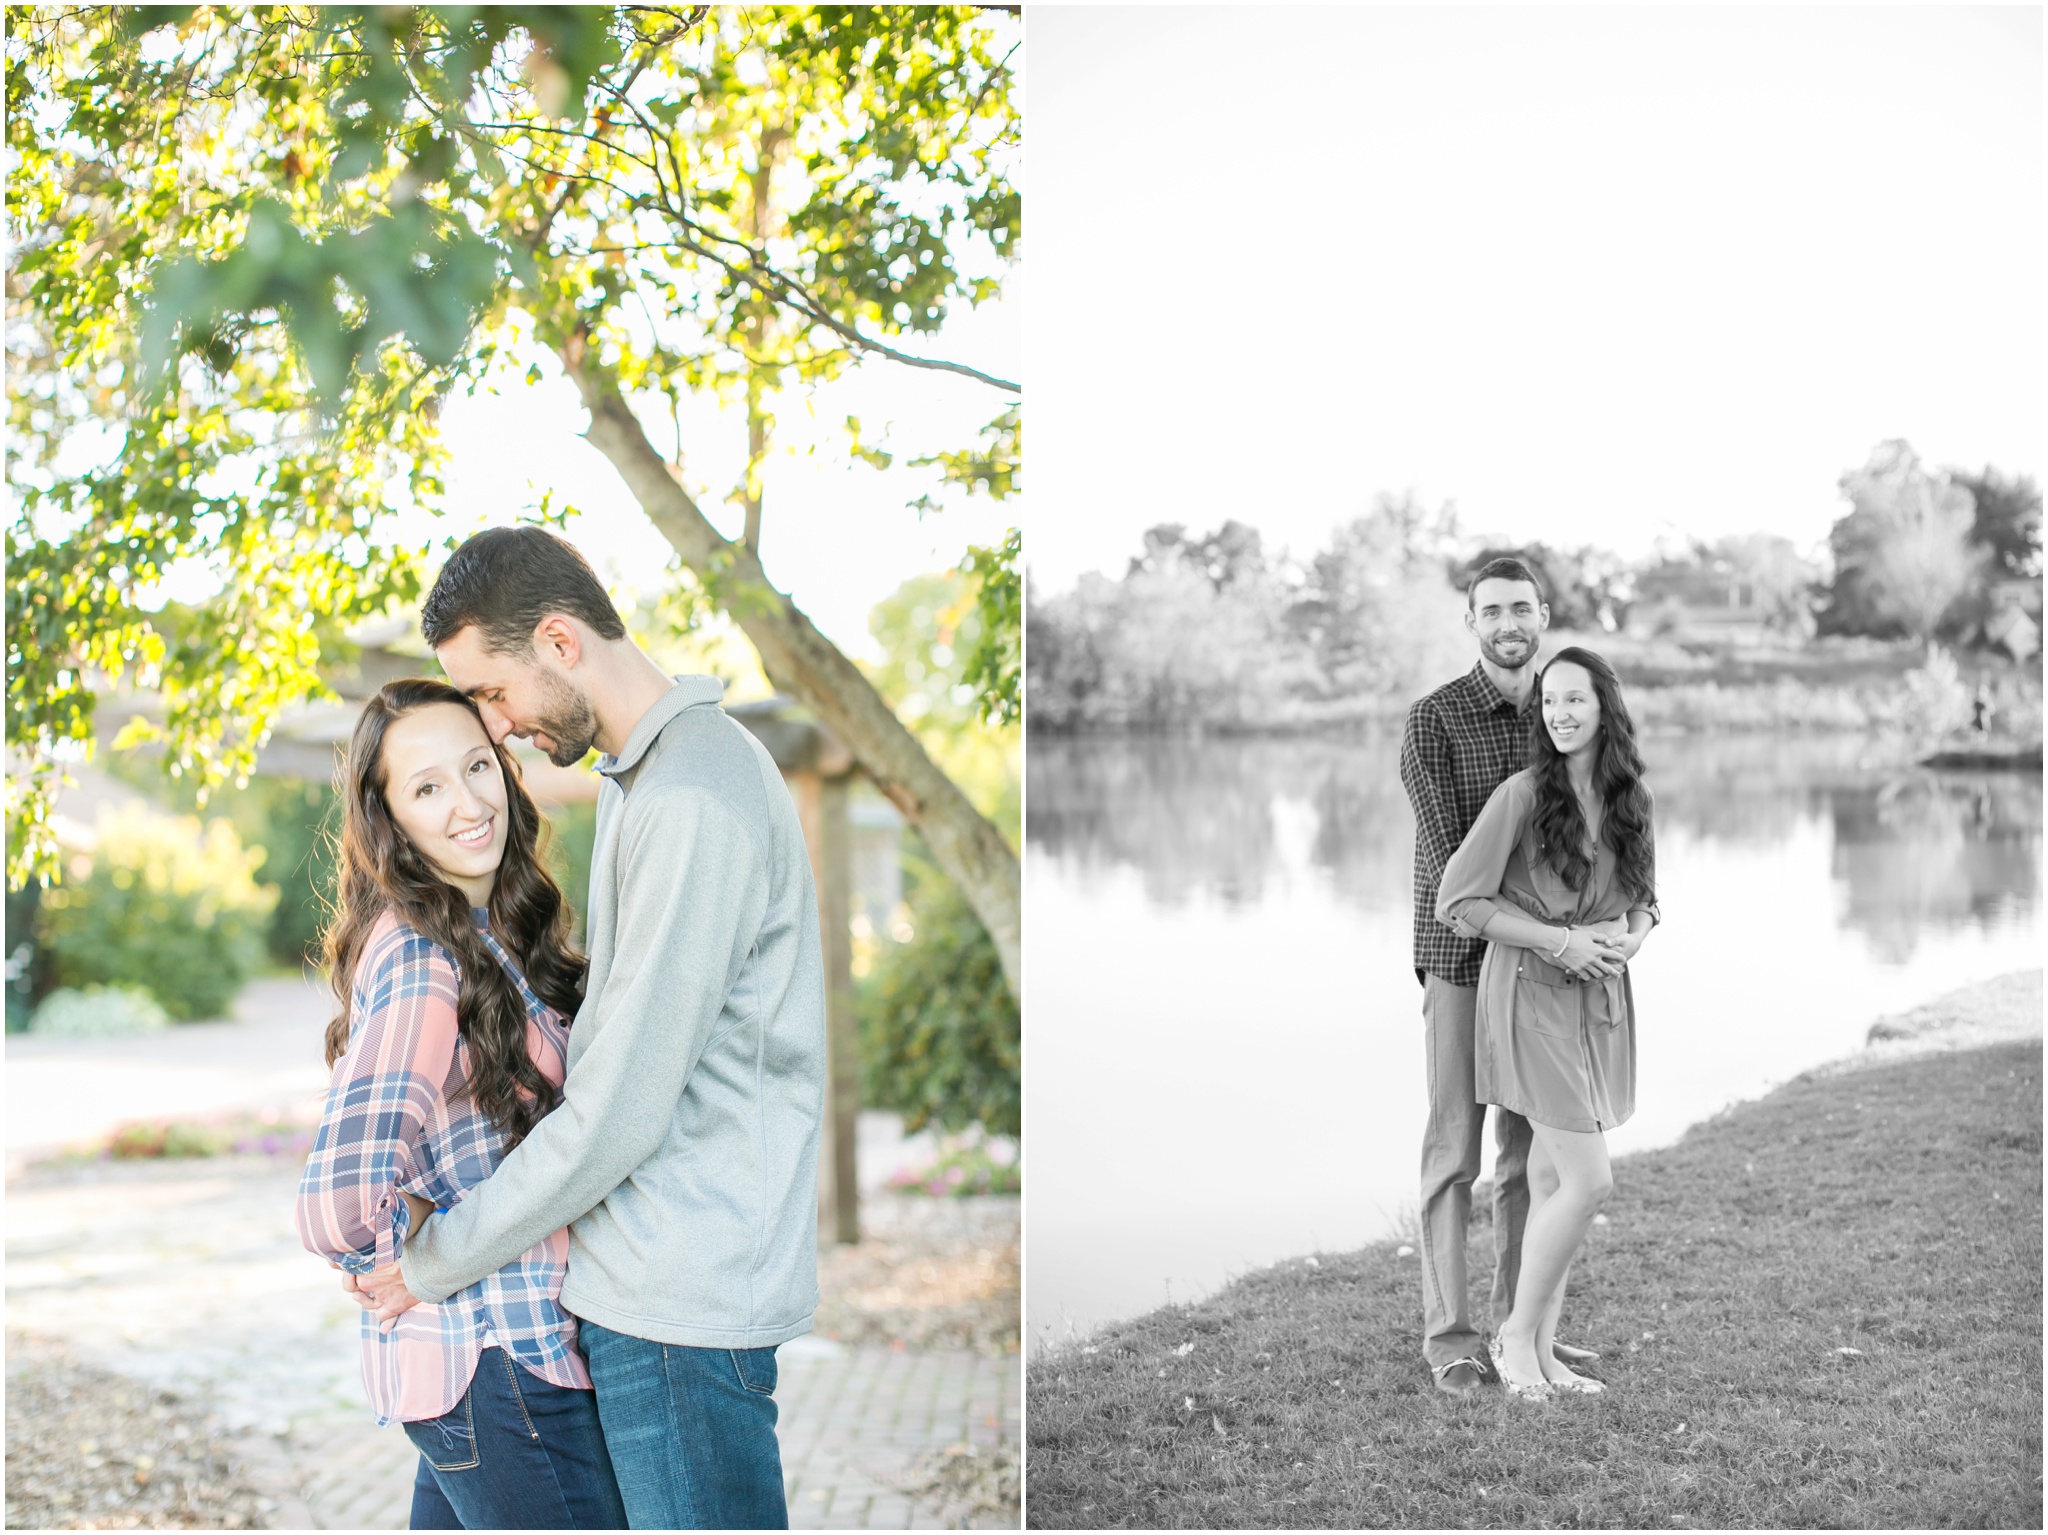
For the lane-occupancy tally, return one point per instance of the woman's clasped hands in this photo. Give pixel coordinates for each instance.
(1594, 952)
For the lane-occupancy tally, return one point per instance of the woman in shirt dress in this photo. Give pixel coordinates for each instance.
(456, 981)
(1558, 874)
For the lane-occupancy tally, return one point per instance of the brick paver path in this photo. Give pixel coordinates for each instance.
(190, 1275)
(853, 1420)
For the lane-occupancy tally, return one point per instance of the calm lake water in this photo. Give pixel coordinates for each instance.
(1225, 1065)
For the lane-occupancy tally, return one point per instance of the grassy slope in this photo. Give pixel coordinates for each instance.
(1895, 1211)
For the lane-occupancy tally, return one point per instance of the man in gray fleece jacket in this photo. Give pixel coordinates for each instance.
(683, 1157)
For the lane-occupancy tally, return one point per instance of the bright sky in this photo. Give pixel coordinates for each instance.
(1596, 275)
(835, 534)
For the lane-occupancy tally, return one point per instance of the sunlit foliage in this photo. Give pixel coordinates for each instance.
(253, 248)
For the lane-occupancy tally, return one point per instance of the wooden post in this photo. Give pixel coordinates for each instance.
(807, 789)
(842, 1029)
(819, 771)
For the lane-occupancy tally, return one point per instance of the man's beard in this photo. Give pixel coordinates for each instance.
(1486, 649)
(566, 719)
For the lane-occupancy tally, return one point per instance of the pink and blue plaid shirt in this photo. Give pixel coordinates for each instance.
(396, 1118)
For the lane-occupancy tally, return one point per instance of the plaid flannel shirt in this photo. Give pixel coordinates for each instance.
(1460, 744)
(396, 1118)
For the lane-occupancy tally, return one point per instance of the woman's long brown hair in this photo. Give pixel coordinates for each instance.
(381, 870)
(1617, 779)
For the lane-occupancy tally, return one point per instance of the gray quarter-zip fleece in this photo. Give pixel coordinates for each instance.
(684, 1155)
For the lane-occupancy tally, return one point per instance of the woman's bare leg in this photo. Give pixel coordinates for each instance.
(1541, 1175)
(1546, 1330)
(1549, 1243)
(1546, 1334)
(1543, 1182)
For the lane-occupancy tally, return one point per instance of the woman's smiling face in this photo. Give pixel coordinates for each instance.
(1571, 709)
(447, 794)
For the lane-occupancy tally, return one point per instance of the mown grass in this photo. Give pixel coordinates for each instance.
(1822, 1309)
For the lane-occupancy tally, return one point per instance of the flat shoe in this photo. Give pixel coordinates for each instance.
(1584, 1385)
(1538, 1391)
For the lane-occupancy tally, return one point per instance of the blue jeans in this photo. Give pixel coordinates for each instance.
(691, 1431)
(516, 1453)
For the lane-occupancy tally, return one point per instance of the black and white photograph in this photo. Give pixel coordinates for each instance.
(1533, 800)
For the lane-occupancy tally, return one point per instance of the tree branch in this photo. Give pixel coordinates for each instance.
(793, 295)
(757, 270)
(801, 661)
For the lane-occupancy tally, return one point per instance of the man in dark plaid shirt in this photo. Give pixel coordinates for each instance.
(1461, 742)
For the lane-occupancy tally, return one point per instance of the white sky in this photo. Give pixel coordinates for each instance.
(1595, 274)
(835, 534)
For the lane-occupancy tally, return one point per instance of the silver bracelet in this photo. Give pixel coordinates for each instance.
(1559, 954)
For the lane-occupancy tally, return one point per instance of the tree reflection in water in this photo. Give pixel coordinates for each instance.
(1937, 850)
(1196, 818)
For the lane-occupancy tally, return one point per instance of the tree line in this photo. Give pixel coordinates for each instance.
(1213, 630)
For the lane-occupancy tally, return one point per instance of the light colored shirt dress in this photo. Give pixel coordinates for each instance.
(1554, 1049)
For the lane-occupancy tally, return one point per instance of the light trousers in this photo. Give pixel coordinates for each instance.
(1450, 1163)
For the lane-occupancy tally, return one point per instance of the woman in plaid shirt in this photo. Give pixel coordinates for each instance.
(457, 982)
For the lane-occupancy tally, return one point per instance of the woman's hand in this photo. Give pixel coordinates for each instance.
(1621, 946)
(1590, 952)
(1635, 927)
(384, 1293)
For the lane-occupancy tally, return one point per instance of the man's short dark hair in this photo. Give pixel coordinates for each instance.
(505, 581)
(1506, 568)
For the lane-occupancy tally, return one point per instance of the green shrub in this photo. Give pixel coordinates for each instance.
(98, 1012)
(293, 822)
(938, 1026)
(566, 851)
(163, 904)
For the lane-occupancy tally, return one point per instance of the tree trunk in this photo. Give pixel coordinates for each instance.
(801, 661)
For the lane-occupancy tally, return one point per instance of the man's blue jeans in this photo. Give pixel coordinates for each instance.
(516, 1453)
(691, 1431)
